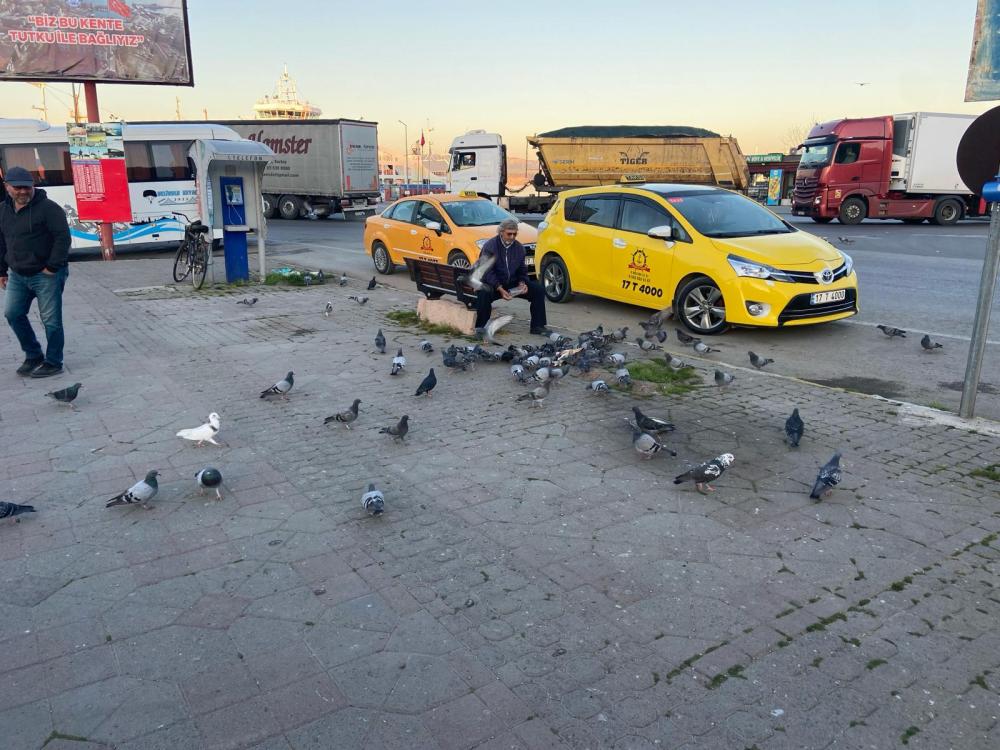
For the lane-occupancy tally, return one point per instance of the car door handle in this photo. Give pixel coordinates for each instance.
(619, 243)
(413, 231)
(570, 231)
(385, 226)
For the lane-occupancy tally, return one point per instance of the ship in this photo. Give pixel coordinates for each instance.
(285, 103)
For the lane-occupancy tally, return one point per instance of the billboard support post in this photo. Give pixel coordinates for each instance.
(94, 115)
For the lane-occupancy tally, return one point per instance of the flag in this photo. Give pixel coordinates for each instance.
(119, 7)
(422, 141)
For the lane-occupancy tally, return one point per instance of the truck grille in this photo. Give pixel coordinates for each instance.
(809, 277)
(800, 309)
(804, 190)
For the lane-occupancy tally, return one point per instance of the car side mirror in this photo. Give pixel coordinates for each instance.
(665, 232)
(434, 226)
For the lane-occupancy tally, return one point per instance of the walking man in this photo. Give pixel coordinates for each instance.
(508, 278)
(34, 255)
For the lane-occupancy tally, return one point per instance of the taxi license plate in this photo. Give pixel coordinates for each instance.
(820, 297)
(529, 261)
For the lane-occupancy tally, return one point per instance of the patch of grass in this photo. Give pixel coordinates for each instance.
(485, 575)
(824, 621)
(671, 382)
(410, 318)
(875, 664)
(910, 731)
(980, 680)
(937, 405)
(900, 585)
(403, 317)
(293, 279)
(816, 662)
(856, 723)
(57, 735)
(990, 472)
(656, 677)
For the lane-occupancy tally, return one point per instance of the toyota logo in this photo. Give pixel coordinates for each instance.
(825, 276)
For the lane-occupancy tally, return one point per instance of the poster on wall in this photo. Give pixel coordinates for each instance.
(983, 83)
(117, 41)
(774, 187)
(97, 155)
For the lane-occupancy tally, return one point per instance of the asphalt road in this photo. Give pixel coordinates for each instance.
(921, 278)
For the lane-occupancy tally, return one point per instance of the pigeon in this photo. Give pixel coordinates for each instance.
(723, 379)
(649, 328)
(373, 501)
(794, 427)
(596, 333)
(426, 346)
(281, 388)
(891, 332)
(494, 325)
(398, 362)
(371, 284)
(202, 433)
(704, 473)
(398, 430)
(661, 336)
(617, 359)
(210, 478)
(556, 373)
(646, 445)
(845, 240)
(540, 375)
(660, 316)
(619, 334)
(68, 395)
(328, 310)
(651, 425)
(517, 373)
(624, 377)
(673, 362)
(703, 348)
(646, 345)
(9, 510)
(598, 386)
(538, 395)
(347, 416)
(759, 362)
(531, 362)
(343, 279)
(248, 302)
(828, 478)
(684, 338)
(380, 342)
(483, 265)
(141, 492)
(427, 384)
(359, 299)
(925, 343)
(451, 360)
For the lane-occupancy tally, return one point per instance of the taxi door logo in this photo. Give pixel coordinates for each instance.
(639, 262)
(426, 244)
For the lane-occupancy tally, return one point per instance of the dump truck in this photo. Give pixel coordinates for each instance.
(597, 155)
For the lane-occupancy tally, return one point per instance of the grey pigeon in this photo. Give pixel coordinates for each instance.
(538, 395)
(703, 348)
(426, 346)
(141, 492)
(517, 373)
(624, 377)
(658, 318)
(684, 338)
(845, 240)
(347, 416)
(794, 427)
(661, 336)
(556, 373)
(66, 395)
(398, 362)
(343, 279)
(210, 478)
(617, 358)
(928, 345)
(281, 388)
(892, 332)
(380, 341)
(494, 325)
(540, 375)
(248, 302)
(652, 425)
(649, 329)
(648, 446)
(452, 360)
(373, 501)
(828, 478)
(427, 384)
(360, 299)
(371, 284)
(328, 309)
(531, 362)
(398, 430)
(723, 379)
(704, 473)
(759, 362)
(646, 345)
(598, 386)
(620, 334)
(674, 363)
(9, 510)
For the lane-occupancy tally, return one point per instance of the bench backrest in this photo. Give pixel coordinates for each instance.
(438, 277)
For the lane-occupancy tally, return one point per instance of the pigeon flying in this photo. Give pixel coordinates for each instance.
(891, 332)
(703, 348)
(427, 384)
(203, 433)
(347, 416)
(704, 473)
(759, 362)
(928, 345)
(359, 299)
(538, 395)
(68, 395)
(209, 478)
(380, 342)
(794, 427)
(494, 325)
(371, 284)
(141, 492)
(651, 425)
(399, 430)
(828, 478)
(328, 310)
(483, 265)
(9, 510)
(373, 501)
(281, 388)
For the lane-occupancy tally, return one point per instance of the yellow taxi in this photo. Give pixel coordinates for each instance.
(442, 228)
(716, 257)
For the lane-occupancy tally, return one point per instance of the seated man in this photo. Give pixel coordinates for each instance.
(508, 278)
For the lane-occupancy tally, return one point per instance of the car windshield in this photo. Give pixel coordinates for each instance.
(722, 214)
(480, 213)
(816, 154)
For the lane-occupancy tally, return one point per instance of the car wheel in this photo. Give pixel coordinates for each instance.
(458, 259)
(822, 219)
(947, 212)
(701, 307)
(290, 207)
(555, 280)
(380, 257)
(852, 211)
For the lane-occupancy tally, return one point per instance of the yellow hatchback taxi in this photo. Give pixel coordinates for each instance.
(442, 228)
(714, 256)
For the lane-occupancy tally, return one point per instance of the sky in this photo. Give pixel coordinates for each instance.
(763, 72)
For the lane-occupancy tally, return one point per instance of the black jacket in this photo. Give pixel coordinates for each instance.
(509, 269)
(33, 238)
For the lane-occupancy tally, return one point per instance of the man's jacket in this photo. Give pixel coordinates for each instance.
(33, 238)
(509, 269)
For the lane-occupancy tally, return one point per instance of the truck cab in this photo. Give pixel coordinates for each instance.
(478, 164)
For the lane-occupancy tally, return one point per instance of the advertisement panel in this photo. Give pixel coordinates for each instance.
(983, 83)
(774, 187)
(118, 41)
(97, 155)
(360, 154)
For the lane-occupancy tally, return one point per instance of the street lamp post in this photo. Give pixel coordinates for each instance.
(406, 155)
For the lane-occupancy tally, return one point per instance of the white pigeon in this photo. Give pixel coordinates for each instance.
(328, 310)
(398, 362)
(484, 264)
(373, 501)
(203, 433)
(617, 359)
(494, 325)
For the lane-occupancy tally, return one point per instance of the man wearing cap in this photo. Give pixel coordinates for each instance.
(508, 278)
(34, 253)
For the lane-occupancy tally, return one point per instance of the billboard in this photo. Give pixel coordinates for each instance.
(984, 65)
(109, 41)
(774, 187)
(97, 154)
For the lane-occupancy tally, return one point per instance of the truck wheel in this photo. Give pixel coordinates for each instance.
(822, 219)
(947, 212)
(701, 307)
(555, 280)
(290, 207)
(852, 211)
(381, 259)
(458, 259)
(270, 205)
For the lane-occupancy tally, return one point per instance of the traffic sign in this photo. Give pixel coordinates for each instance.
(979, 151)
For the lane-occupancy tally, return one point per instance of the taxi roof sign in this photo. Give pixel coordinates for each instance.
(632, 178)
(469, 194)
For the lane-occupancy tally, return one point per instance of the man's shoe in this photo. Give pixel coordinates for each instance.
(46, 370)
(540, 331)
(28, 365)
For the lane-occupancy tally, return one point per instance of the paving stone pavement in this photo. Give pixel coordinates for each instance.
(532, 584)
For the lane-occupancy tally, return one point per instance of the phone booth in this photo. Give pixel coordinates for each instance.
(229, 198)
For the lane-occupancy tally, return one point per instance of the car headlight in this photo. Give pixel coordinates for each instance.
(480, 243)
(749, 268)
(848, 264)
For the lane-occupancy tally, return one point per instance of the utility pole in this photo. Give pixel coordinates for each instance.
(177, 107)
(406, 154)
(981, 326)
(44, 109)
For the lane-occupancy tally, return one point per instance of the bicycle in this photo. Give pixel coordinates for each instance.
(192, 254)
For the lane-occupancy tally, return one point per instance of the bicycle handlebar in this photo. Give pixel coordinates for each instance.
(178, 213)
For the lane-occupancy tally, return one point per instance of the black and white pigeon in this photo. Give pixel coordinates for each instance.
(794, 427)
(646, 445)
(373, 501)
(202, 433)
(598, 386)
(141, 492)
(427, 384)
(674, 363)
(398, 362)
(722, 378)
(828, 478)
(9, 510)
(927, 345)
(426, 347)
(707, 472)
(494, 325)
(684, 338)
(347, 416)
(537, 395)
(624, 377)
(328, 309)
(759, 362)
(646, 345)
(398, 430)
(652, 425)
(517, 373)
(892, 332)
(248, 302)
(209, 478)
(371, 284)
(702, 348)
(281, 388)
(360, 299)
(68, 395)
(380, 341)
(343, 279)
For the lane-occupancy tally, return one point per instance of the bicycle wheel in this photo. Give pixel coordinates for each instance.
(181, 265)
(199, 262)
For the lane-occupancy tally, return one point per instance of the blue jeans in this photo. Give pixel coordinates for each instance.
(47, 289)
